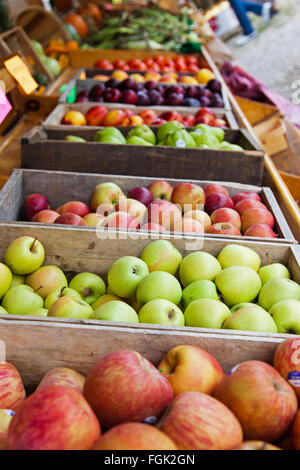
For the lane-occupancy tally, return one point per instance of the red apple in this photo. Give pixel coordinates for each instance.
(95, 115)
(133, 207)
(190, 225)
(245, 195)
(124, 386)
(148, 116)
(120, 220)
(245, 204)
(217, 201)
(12, 391)
(256, 216)
(171, 116)
(54, 418)
(5, 420)
(224, 228)
(161, 190)
(189, 121)
(46, 216)
(256, 445)
(210, 189)
(205, 111)
(188, 196)
(141, 194)
(134, 436)
(75, 207)
(296, 432)
(225, 214)
(264, 403)
(287, 361)
(35, 203)
(153, 226)
(196, 421)
(62, 376)
(191, 369)
(260, 230)
(164, 213)
(70, 219)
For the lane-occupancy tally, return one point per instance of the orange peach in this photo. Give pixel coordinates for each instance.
(75, 118)
(119, 75)
(189, 196)
(155, 76)
(114, 118)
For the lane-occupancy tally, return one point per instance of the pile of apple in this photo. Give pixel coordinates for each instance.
(230, 291)
(202, 77)
(185, 208)
(126, 403)
(152, 93)
(101, 116)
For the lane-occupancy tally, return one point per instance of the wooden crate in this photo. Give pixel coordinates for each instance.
(293, 183)
(61, 187)
(246, 166)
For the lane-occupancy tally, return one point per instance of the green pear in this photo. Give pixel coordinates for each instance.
(161, 255)
(74, 138)
(197, 266)
(286, 314)
(201, 289)
(17, 280)
(168, 128)
(276, 289)
(144, 132)
(125, 274)
(205, 139)
(135, 140)
(22, 299)
(238, 284)
(161, 312)
(116, 310)
(228, 146)
(273, 270)
(251, 319)
(206, 313)
(180, 139)
(3, 311)
(159, 285)
(217, 132)
(111, 132)
(239, 255)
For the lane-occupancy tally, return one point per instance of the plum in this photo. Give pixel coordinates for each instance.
(214, 85)
(112, 83)
(192, 92)
(96, 91)
(129, 83)
(151, 85)
(112, 95)
(174, 99)
(155, 96)
(191, 102)
(129, 97)
(143, 99)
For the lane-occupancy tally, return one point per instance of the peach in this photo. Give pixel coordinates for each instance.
(114, 118)
(95, 115)
(70, 219)
(225, 214)
(54, 418)
(260, 230)
(149, 116)
(75, 118)
(210, 189)
(168, 79)
(161, 190)
(191, 369)
(46, 216)
(188, 80)
(224, 228)
(189, 196)
(134, 436)
(153, 76)
(75, 207)
(12, 391)
(135, 120)
(201, 216)
(164, 213)
(190, 226)
(100, 77)
(196, 421)
(137, 77)
(120, 220)
(62, 376)
(245, 204)
(256, 216)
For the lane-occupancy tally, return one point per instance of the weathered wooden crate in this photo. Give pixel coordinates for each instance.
(61, 187)
(36, 345)
(46, 149)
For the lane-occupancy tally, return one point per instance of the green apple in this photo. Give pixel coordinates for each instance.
(89, 286)
(74, 138)
(20, 300)
(6, 279)
(39, 312)
(198, 265)
(46, 279)
(217, 132)
(161, 255)
(67, 307)
(135, 140)
(251, 319)
(116, 310)
(24, 255)
(159, 285)
(17, 280)
(3, 311)
(238, 284)
(168, 128)
(161, 312)
(103, 299)
(273, 270)
(206, 313)
(201, 289)
(57, 293)
(110, 135)
(286, 314)
(144, 132)
(238, 255)
(244, 304)
(276, 289)
(125, 274)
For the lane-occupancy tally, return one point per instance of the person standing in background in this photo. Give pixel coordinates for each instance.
(266, 10)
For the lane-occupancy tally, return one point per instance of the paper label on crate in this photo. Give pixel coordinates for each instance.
(5, 106)
(231, 371)
(20, 72)
(294, 378)
(180, 143)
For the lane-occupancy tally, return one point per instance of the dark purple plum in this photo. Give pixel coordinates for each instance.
(174, 99)
(143, 99)
(205, 102)
(83, 93)
(112, 83)
(192, 91)
(176, 89)
(151, 85)
(83, 99)
(214, 85)
(191, 102)
(129, 97)
(112, 95)
(129, 83)
(154, 96)
(97, 90)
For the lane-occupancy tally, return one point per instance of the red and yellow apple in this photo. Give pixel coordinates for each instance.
(189, 196)
(12, 391)
(62, 376)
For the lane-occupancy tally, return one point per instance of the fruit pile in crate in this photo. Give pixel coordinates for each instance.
(230, 291)
(125, 402)
(187, 208)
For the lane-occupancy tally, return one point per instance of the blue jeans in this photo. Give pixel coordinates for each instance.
(240, 8)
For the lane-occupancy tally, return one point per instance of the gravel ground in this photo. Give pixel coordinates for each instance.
(274, 55)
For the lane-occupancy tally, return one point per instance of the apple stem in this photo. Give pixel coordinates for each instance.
(268, 259)
(31, 248)
(37, 289)
(61, 291)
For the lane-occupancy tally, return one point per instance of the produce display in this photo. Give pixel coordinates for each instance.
(231, 291)
(125, 402)
(101, 116)
(186, 208)
(153, 93)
